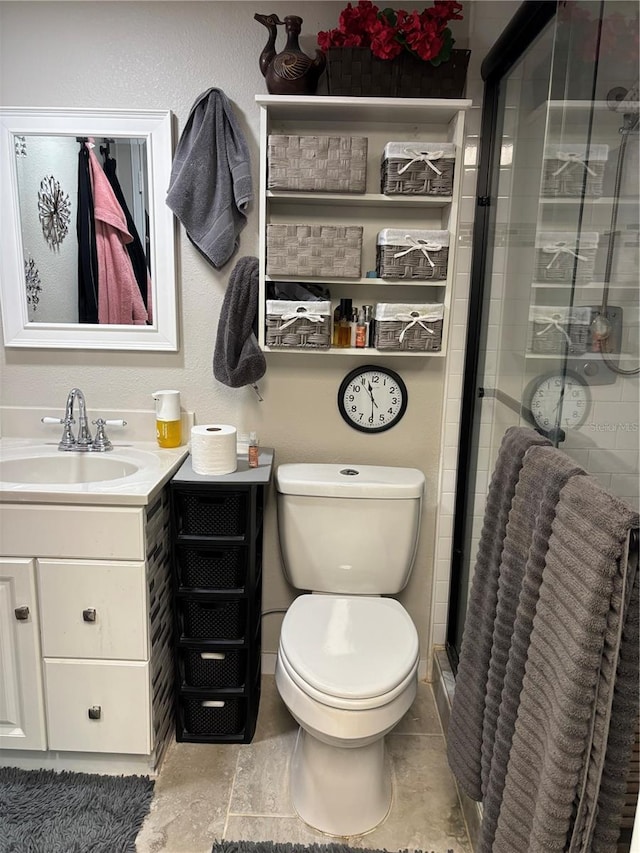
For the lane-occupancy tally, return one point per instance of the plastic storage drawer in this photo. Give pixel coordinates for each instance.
(206, 567)
(212, 513)
(206, 716)
(204, 668)
(214, 620)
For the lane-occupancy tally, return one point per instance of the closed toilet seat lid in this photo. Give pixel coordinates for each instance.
(349, 647)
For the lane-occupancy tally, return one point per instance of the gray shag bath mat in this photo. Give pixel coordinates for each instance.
(273, 847)
(42, 811)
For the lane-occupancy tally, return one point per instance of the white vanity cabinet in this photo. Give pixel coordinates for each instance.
(379, 120)
(95, 658)
(22, 724)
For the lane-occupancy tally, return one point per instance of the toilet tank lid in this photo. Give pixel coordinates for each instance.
(350, 481)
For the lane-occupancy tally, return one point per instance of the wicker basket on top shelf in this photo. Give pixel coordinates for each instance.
(317, 163)
(418, 168)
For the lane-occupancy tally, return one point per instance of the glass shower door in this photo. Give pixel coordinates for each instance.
(557, 335)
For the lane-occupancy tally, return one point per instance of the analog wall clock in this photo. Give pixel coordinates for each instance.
(558, 401)
(372, 399)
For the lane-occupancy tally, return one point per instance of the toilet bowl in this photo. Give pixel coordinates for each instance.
(347, 671)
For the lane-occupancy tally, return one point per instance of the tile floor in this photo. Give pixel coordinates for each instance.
(240, 791)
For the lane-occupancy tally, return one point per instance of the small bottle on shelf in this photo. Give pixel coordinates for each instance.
(361, 331)
(368, 323)
(253, 451)
(354, 328)
(344, 326)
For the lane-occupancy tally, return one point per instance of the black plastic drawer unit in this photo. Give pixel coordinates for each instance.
(217, 593)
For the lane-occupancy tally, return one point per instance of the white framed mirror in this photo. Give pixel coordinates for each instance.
(43, 292)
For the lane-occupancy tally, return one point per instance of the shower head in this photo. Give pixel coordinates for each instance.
(626, 101)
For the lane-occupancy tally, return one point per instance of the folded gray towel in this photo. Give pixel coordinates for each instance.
(237, 358)
(544, 473)
(210, 185)
(464, 741)
(575, 698)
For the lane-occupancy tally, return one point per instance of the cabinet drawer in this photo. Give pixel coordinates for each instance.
(205, 567)
(209, 669)
(116, 695)
(211, 513)
(93, 609)
(213, 715)
(214, 620)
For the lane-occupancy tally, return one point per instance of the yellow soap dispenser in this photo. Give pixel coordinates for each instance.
(168, 418)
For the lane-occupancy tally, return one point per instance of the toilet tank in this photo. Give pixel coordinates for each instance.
(349, 529)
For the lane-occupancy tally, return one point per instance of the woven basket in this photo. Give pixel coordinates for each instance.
(573, 170)
(400, 326)
(565, 257)
(317, 163)
(331, 251)
(356, 71)
(556, 329)
(418, 168)
(421, 255)
(306, 325)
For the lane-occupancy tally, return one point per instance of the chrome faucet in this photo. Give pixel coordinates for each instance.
(84, 442)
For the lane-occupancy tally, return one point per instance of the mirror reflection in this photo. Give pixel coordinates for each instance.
(84, 225)
(87, 242)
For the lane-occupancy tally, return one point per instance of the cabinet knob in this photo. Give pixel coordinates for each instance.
(22, 613)
(94, 712)
(89, 615)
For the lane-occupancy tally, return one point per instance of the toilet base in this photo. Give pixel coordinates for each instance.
(340, 790)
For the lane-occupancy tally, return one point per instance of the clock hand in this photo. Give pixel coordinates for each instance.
(370, 390)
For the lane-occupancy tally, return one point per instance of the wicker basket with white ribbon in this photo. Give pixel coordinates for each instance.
(558, 329)
(402, 326)
(306, 325)
(422, 255)
(573, 170)
(418, 168)
(565, 257)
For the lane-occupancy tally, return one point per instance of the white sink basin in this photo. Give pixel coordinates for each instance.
(67, 467)
(132, 473)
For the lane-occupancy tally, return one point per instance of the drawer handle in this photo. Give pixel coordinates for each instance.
(89, 615)
(211, 703)
(94, 712)
(212, 655)
(22, 613)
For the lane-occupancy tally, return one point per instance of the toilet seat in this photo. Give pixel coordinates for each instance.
(349, 652)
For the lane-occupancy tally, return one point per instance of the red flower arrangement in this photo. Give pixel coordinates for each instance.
(389, 32)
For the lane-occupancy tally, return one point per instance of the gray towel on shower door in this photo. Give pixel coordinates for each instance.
(464, 738)
(578, 706)
(544, 473)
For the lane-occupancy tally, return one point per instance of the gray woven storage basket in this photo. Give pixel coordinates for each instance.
(422, 255)
(317, 163)
(320, 251)
(565, 257)
(573, 170)
(409, 327)
(556, 329)
(306, 325)
(418, 168)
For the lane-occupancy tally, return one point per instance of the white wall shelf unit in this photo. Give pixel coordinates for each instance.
(381, 120)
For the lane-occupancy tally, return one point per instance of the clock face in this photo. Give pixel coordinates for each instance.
(559, 401)
(372, 399)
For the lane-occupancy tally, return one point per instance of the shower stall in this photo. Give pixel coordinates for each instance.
(554, 332)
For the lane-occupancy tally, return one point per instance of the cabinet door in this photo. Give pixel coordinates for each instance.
(97, 706)
(22, 724)
(93, 609)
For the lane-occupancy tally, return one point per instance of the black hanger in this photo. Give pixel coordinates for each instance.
(105, 149)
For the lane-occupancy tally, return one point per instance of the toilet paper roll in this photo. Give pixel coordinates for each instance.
(213, 449)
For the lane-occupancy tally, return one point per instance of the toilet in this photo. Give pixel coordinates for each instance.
(348, 657)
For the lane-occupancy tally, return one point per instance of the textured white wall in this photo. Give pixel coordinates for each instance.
(162, 55)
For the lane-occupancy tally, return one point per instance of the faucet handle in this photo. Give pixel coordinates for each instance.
(100, 440)
(67, 442)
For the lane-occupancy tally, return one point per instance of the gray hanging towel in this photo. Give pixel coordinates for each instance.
(544, 473)
(210, 186)
(464, 740)
(237, 358)
(579, 701)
